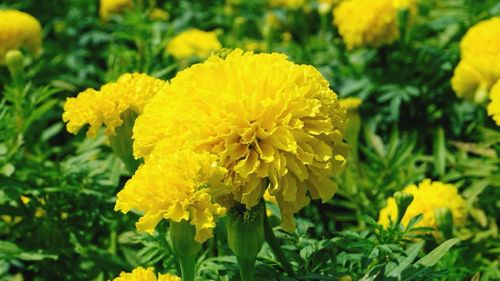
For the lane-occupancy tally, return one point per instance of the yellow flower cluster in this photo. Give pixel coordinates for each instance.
(193, 43)
(428, 196)
(141, 274)
(494, 106)
(479, 67)
(19, 30)
(106, 106)
(110, 7)
(272, 124)
(371, 23)
(176, 187)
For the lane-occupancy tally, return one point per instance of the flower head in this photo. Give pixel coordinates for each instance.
(428, 197)
(479, 67)
(141, 274)
(494, 106)
(273, 124)
(106, 106)
(19, 30)
(178, 186)
(371, 23)
(366, 22)
(110, 7)
(193, 42)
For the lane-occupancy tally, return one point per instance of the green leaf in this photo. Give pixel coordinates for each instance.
(435, 255)
(412, 253)
(439, 152)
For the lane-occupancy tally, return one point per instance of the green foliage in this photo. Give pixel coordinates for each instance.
(57, 191)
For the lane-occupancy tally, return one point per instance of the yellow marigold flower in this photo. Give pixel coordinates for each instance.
(193, 42)
(177, 187)
(371, 23)
(110, 7)
(106, 106)
(272, 123)
(141, 274)
(479, 67)
(19, 30)
(494, 106)
(428, 196)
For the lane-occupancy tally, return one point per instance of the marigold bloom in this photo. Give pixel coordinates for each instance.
(366, 22)
(110, 7)
(106, 106)
(494, 106)
(141, 274)
(428, 196)
(272, 123)
(371, 23)
(19, 30)
(479, 67)
(193, 42)
(176, 187)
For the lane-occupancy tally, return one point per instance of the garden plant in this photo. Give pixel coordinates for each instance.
(226, 140)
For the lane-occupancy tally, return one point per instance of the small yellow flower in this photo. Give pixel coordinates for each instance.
(141, 274)
(494, 106)
(110, 7)
(19, 30)
(428, 196)
(193, 43)
(273, 124)
(479, 67)
(176, 187)
(106, 106)
(371, 23)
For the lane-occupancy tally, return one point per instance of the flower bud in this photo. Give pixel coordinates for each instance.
(444, 221)
(14, 61)
(245, 235)
(403, 200)
(121, 143)
(185, 247)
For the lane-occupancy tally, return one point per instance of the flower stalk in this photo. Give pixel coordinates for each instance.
(275, 246)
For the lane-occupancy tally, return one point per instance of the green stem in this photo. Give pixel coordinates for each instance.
(246, 268)
(187, 267)
(275, 246)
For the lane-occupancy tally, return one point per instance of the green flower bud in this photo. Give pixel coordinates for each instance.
(444, 221)
(245, 235)
(403, 200)
(121, 143)
(14, 61)
(185, 247)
